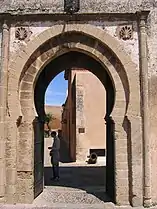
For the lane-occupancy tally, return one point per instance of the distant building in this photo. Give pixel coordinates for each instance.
(81, 115)
(56, 112)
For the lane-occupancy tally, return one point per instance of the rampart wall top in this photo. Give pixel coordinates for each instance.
(86, 6)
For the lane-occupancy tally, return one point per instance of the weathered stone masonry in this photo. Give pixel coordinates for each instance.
(127, 58)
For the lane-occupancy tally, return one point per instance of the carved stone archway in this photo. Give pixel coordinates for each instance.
(25, 69)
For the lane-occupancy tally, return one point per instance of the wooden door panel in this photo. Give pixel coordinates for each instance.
(38, 157)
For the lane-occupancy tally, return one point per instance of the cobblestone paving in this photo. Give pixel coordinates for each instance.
(68, 196)
(80, 184)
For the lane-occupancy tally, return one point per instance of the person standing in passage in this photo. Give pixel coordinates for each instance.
(54, 153)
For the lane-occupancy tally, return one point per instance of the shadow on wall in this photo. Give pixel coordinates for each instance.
(64, 152)
(90, 179)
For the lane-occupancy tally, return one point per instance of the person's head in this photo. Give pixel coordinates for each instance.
(53, 133)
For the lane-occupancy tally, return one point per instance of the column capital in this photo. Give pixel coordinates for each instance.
(142, 23)
(5, 25)
(142, 18)
(143, 15)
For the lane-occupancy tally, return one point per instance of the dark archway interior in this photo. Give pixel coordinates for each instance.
(75, 59)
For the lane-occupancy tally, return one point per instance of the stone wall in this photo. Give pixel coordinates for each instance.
(87, 6)
(117, 72)
(131, 48)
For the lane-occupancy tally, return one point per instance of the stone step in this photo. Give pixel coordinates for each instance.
(59, 206)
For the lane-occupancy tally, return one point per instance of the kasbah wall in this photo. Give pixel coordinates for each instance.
(34, 28)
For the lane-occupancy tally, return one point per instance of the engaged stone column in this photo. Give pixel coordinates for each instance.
(145, 109)
(3, 107)
(121, 162)
(81, 142)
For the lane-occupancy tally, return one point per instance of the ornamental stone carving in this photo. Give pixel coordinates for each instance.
(125, 32)
(22, 33)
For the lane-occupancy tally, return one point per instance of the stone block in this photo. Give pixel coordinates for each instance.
(26, 86)
(38, 64)
(123, 157)
(11, 135)
(120, 133)
(11, 176)
(137, 201)
(26, 103)
(25, 155)
(25, 175)
(120, 103)
(2, 127)
(3, 92)
(119, 110)
(28, 112)
(26, 127)
(50, 53)
(26, 136)
(121, 143)
(3, 79)
(25, 199)
(120, 182)
(44, 57)
(2, 114)
(122, 190)
(11, 198)
(10, 163)
(13, 83)
(25, 191)
(28, 77)
(26, 95)
(11, 149)
(32, 70)
(122, 199)
(2, 150)
(2, 191)
(2, 173)
(11, 189)
(121, 165)
(122, 173)
(121, 150)
(2, 200)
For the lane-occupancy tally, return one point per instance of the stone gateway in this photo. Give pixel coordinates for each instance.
(116, 40)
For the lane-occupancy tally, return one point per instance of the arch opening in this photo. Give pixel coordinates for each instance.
(70, 62)
(67, 61)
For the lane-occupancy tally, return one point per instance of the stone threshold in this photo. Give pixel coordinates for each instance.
(107, 205)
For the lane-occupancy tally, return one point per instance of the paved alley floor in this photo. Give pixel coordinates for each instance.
(79, 183)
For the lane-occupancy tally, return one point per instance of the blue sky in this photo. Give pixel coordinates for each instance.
(56, 91)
